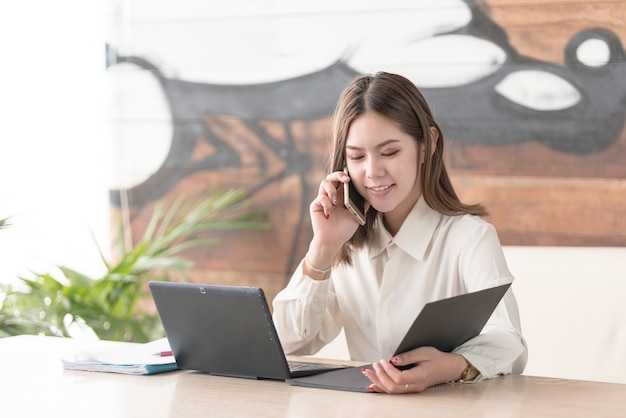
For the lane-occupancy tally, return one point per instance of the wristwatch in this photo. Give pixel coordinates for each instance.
(469, 374)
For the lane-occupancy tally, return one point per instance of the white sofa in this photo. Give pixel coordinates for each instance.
(572, 303)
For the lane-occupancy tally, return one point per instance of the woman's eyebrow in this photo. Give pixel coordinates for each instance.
(379, 145)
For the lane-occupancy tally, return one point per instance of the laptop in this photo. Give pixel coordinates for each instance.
(225, 330)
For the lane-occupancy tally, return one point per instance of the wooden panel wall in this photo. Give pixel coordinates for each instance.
(538, 196)
(203, 116)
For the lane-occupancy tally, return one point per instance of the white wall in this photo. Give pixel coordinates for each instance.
(571, 302)
(54, 158)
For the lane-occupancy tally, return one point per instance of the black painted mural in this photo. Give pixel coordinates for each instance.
(590, 125)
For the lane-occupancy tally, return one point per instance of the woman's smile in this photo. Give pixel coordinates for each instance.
(380, 191)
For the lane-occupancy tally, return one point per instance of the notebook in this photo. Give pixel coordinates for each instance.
(225, 330)
(136, 359)
(444, 324)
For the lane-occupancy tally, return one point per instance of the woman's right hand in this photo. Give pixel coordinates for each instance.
(332, 222)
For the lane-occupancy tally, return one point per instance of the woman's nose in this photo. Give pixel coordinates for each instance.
(374, 168)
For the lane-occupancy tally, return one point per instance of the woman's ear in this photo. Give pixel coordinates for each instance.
(434, 137)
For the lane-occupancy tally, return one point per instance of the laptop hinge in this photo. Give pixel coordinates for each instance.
(243, 376)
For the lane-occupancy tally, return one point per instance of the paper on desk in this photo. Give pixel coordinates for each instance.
(136, 359)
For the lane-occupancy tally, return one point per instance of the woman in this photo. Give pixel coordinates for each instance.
(419, 244)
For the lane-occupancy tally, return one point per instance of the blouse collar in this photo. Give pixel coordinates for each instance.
(415, 233)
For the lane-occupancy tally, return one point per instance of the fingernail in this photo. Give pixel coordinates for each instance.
(395, 361)
(327, 215)
(335, 202)
(370, 387)
(363, 370)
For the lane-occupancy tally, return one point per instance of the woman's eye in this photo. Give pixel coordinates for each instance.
(355, 157)
(390, 153)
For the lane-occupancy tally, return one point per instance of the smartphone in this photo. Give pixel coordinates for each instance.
(353, 201)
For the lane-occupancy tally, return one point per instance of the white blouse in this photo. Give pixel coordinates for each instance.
(433, 256)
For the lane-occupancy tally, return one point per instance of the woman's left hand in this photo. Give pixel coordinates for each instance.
(431, 368)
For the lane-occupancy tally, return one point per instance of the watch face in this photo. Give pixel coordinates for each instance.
(470, 374)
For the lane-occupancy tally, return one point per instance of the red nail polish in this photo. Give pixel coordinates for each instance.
(370, 387)
(327, 215)
(363, 370)
(395, 361)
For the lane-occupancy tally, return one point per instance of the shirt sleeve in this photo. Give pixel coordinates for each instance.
(500, 348)
(305, 314)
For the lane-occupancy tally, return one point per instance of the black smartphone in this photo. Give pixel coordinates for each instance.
(353, 201)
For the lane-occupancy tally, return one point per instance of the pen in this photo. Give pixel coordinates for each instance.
(167, 353)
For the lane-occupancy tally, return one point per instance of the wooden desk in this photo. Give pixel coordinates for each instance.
(33, 383)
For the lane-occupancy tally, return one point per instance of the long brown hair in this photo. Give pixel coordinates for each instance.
(398, 99)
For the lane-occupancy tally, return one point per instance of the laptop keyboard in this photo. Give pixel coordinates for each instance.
(305, 365)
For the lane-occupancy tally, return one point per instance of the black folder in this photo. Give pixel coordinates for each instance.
(444, 324)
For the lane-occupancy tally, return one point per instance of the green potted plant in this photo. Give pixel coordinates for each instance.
(108, 305)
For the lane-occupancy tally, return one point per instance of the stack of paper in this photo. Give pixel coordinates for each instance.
(138, 359)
